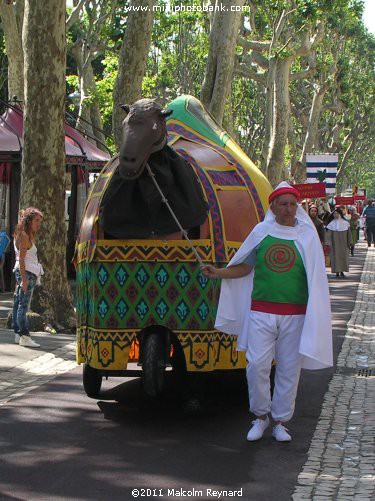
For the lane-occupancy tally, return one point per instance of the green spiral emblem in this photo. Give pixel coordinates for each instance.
(280, 258)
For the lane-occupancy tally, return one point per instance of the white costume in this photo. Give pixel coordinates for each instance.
(31, 262)
(295, 340)
(339, 224)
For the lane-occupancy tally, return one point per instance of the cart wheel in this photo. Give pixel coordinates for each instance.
(153, 364)
(92, 380)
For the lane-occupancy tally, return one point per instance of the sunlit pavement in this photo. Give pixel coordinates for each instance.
(24, 369)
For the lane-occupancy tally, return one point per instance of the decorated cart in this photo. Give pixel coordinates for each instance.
(143, 298)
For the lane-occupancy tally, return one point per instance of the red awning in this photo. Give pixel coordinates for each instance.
(10, 141)
(78, 150)
(10, 145)
(94, 156)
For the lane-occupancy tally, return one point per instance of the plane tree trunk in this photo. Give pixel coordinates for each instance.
(43, 160)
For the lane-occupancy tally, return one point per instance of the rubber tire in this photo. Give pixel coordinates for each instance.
(153, 364)
(92, 380)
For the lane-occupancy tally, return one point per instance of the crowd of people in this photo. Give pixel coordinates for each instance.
(339, 229)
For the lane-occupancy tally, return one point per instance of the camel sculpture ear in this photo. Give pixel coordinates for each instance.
(166, 113)
(125, 107)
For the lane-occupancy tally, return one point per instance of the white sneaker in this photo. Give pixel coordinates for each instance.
(258, 428)
(281, 433)
(27, 341)
(16, 338)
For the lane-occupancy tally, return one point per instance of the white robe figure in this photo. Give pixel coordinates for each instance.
(339, 238)
(235, 295)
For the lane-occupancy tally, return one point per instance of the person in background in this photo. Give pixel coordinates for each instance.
(305, 204)
(313, 213)
(339, 239)
(353, 217)
(362, 226)
(324, 211)
(369, 214)
(274, 296)
(359, 207)
(343, 210)
(27, 270)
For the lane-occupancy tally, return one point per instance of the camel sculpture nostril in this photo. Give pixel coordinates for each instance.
(127, 159)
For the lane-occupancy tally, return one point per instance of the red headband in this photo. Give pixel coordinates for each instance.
(283, 191)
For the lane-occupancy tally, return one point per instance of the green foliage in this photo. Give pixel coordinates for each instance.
(178, 51)
(248, 108)
(104, 94)
(178, 56)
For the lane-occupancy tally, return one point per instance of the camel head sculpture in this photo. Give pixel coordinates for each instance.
(144, 133)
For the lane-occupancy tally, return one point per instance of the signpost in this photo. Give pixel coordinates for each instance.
(344, 200)
(311, 190)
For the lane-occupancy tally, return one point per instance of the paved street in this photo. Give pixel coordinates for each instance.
(57, 444)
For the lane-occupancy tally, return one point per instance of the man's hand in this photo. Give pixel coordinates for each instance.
(210, 271)
(235, 271)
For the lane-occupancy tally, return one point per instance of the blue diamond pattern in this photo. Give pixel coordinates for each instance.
(161, 309)
(182, 310)
(122, 308)
(102, 275)
(203, 281)
(142, 309)
(103, 308)
(203, 310)
(162, 276)
(183, 277)
(121, 275)
(142, 276)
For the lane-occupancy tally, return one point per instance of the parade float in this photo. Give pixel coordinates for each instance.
(141, 298)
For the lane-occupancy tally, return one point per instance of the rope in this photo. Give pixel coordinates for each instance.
(165, 200)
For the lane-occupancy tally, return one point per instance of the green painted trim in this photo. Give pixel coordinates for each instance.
(205, 125)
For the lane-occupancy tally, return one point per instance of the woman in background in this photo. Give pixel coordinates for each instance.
(339, 238)
(313, 213)
(354, 225)
(27, 272)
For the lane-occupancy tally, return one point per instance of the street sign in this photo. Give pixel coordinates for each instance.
(311, 190)
(344, 200)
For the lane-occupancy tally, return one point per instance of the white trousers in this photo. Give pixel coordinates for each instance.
(273, 337)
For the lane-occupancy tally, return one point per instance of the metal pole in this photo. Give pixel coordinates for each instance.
(165, 200)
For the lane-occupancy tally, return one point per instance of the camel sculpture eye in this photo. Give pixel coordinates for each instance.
(155, 126)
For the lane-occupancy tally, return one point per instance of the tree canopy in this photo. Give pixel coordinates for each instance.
(285, 77)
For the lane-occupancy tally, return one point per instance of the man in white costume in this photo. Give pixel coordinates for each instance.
(275, 298)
